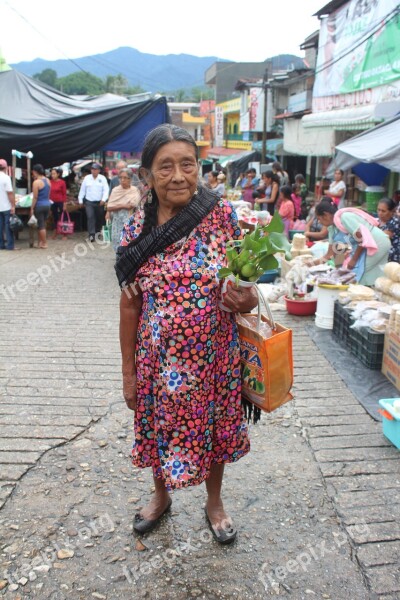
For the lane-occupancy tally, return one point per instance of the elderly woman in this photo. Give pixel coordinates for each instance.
(123, 200)
(351, 226)
(180, 351)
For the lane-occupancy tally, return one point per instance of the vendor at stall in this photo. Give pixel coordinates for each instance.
(314, 230)
(389, 222)
(369, 245)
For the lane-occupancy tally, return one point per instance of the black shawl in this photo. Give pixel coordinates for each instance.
(130, 258)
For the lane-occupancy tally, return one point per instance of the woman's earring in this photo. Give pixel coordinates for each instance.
(149, 197)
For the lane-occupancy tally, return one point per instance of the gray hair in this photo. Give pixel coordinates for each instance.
(127, 171)
(161, 135)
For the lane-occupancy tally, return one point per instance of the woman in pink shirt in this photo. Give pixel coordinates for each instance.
(286, 208)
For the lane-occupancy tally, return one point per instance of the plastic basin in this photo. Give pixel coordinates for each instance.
(269, 276)
(302, 308)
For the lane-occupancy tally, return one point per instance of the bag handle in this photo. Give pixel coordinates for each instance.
(261, 299)
(65, 212)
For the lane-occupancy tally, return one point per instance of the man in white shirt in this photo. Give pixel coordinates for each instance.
(7, 208)
(93, 194)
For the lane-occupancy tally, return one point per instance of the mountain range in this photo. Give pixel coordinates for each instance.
(152, 73)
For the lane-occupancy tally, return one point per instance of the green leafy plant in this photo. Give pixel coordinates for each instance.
(250, 257)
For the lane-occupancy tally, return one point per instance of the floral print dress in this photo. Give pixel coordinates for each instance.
(393, 225)
(189, 414)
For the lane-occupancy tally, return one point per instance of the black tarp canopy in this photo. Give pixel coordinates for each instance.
(58, 128)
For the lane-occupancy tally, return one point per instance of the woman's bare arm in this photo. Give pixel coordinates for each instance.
(130, 309)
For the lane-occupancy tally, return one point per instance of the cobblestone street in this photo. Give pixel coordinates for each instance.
(315, 502)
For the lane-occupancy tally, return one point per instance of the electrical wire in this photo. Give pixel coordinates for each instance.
(43, 36)
(115, 69)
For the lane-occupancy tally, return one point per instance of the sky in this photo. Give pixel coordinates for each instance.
(237, 31)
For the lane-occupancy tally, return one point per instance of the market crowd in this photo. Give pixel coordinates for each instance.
(109, 199)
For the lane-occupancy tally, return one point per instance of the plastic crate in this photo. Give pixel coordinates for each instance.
(390, 421)
(342, 320)
(367, 346)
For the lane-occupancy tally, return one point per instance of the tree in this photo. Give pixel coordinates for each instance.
(48, 76)
(180, 95)
(81, 83)
(116, 84)
(136, 89)
(198, 94)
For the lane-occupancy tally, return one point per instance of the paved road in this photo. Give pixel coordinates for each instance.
(316, 501)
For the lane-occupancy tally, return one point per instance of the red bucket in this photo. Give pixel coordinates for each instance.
(303, 308)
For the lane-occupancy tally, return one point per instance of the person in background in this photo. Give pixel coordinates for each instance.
(40, 202)
(250, 185)
(351, 226)
(337, 189)
(283, 175)
(214, 184)
(302, 191)
(286, 208)
(93, 195)
(222, 180)
(114, 181)
(123, 200)
(58, 195)
(180, 350)
(314, 231)
(271, 191)
(296, 200)
(7, 208)
(389, 222)
(239, 181)
(72, 187)
(122, 164)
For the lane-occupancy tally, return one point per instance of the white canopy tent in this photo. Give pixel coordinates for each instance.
(379, 145)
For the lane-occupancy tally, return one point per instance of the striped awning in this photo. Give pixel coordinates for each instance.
(354, 119)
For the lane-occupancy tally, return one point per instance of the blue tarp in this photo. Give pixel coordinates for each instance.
(131, 140)
(371, 173)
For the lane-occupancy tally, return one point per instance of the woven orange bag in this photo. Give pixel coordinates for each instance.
(267, 364)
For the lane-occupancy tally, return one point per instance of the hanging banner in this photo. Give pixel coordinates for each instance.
(219, 126)
(251, 115)
(359, 47)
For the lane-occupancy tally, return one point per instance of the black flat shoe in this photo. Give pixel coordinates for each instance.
(222, 536)
(142, 525)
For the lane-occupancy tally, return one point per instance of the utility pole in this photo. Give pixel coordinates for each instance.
(264, 131)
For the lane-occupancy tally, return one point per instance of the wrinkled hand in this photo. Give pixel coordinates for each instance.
(129, 390)
(241, 299)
